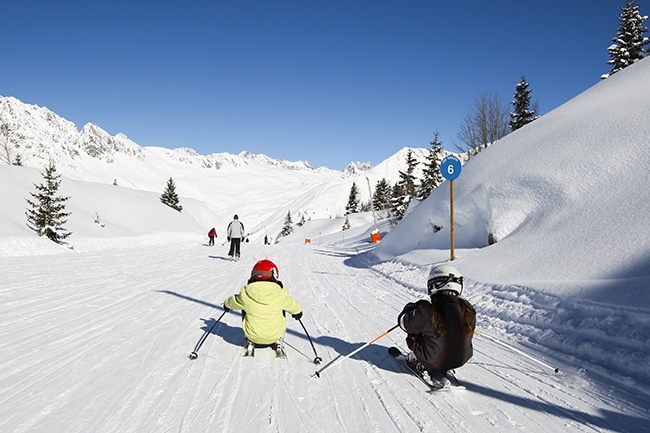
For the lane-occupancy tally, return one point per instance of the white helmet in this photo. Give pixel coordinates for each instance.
(444, 277)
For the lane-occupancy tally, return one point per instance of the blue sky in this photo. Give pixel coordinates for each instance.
(324, 81)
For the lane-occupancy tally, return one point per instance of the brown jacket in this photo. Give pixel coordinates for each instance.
(439, 352)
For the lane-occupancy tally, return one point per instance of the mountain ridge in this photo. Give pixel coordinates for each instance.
(37, 130)
(91, 154)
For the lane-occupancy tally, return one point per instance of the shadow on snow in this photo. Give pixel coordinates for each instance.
(377, 355)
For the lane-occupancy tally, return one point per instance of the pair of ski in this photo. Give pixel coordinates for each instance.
(278, 349)
(446, 380)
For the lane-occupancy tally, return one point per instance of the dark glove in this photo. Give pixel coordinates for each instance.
(407, 309)
(226, 309)
(297, 316)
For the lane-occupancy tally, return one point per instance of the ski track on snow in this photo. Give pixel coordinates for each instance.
(100, 343)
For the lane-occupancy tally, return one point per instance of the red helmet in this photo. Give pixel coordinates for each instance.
(264, 270)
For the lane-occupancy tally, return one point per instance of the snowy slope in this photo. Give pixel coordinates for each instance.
(97, 338)
(98, 341)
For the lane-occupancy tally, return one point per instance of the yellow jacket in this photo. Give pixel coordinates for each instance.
(263, 302)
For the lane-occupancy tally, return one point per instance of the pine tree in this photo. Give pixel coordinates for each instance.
(381, 196)
(396, 204)
(629, 40)
(407, 186)
(287, 228)
(353, 200)
(47, 214)
(431, 176)
(522, 114)
(169, 196)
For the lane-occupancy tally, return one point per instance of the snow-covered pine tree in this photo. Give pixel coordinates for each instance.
(629, 40)
(523, 113)
(353, 200)
(287, 228)
(407, 186)
(381, 196)
(169, 196)
(431, 176)
(47, 213)
(396, 203)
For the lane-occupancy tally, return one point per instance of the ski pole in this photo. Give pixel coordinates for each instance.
(339, 359)
(195, 355)
(318, 359)
(514, 349)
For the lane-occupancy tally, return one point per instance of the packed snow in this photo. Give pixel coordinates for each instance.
(96, 332)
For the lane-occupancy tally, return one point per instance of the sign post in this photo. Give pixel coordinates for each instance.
(450, 168)
(375, 236)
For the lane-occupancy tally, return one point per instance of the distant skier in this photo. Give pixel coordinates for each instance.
(235, 233)
(439, 332)
(212, 234)
(264, 301)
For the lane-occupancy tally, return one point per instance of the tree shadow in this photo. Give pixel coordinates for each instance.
(375, 354)
(607, 419)
(188, 298)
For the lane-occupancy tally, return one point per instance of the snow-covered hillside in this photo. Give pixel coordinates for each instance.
(96, 338)
(225, 183)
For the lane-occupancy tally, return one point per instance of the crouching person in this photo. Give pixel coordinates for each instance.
(439, 331)
(264, 301)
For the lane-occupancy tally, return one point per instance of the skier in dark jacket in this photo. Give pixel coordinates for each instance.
(439, 331)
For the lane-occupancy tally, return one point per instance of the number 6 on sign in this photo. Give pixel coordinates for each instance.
(450, 167)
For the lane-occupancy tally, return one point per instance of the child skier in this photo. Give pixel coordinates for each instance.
(264, 301)
(212, 234)
(439, 331)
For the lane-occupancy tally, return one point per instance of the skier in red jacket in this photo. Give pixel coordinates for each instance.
(212, 234)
